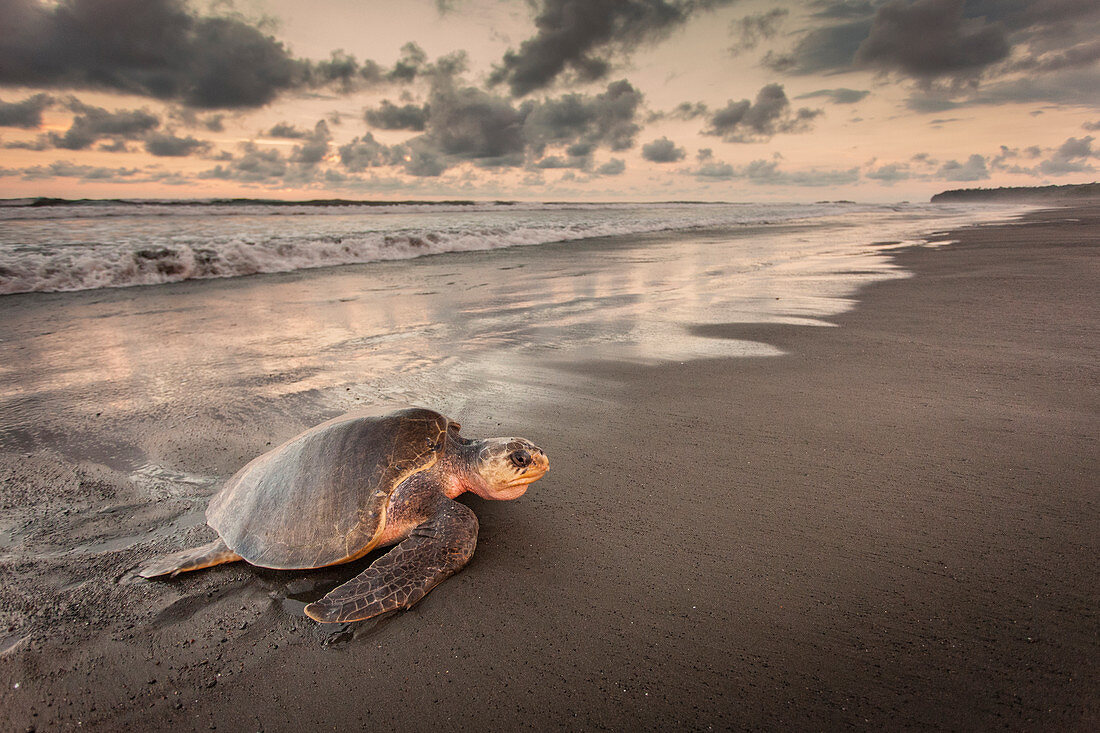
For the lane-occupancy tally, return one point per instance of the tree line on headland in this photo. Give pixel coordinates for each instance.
(1072, 192)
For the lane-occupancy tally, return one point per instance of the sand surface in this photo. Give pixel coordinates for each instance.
(892, 525)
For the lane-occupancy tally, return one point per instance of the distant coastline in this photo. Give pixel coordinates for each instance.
(46, 201)
(1075, 193)
(35, 201)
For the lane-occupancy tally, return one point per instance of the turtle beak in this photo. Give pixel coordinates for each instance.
(540, 460)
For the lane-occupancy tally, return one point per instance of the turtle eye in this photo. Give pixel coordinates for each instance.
(521, 458)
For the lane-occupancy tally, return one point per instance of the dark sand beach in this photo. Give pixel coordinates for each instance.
(893, 525)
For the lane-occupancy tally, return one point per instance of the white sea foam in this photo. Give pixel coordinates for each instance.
(80, 247)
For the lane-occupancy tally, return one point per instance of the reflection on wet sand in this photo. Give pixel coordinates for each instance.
(414, 330)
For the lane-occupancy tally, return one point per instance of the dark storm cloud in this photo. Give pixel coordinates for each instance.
(158, 48)
(752, 29)
(169, 145)
(464, 123)
(389, 116)
(838, 96)
(582, 35)
(769, 114)
(1073, 88)
(843, 9)
(26, 113)
(91, 124)
(1081, 55)
(927, 39)
(468, 123)
(829, 48)
(602, 119)
(945, 41)
(663, 150)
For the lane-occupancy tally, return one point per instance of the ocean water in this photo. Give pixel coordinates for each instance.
(356, 313)
(85, 246)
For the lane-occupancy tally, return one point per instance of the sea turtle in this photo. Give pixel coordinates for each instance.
(354, 483)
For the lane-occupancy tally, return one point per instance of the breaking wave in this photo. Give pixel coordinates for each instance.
(63, 248)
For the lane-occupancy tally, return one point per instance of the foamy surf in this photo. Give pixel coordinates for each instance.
(88, 246)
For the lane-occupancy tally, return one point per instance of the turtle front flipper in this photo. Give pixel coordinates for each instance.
(433, 551)
(195, 558)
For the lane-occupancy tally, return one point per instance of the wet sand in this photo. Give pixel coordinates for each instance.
(893, 525)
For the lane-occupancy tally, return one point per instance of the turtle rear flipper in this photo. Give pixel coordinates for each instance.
(195, 558)
(434, 550)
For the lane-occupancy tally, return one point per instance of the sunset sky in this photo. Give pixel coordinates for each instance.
(601, 100)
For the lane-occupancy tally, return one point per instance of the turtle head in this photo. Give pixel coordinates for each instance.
(503, 468)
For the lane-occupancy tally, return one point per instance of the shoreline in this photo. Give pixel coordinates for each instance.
(892, 525)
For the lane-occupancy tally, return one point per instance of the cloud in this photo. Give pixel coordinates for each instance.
(1081, 55)
(663, 150)
(551, 162)
(974, 169)
(602, 119)
(933, 41)
(67, 169)
(829, 48)
(689, 110)
(838, 96)
(889, 174)
(770, 114)
(168, 145)
(582, 35)
(1071, 157)
(1069, 88)
(94, 123)
(752, 29)
(1092, 126)
(25, 114)
(42, 143)
(389, 116)
(767, 172)
(843, 9)
(366, 152)
(287, 131)
(468, 123)
(715, 170)
(158, 48)
(314, 149)
(189, 118)
(255, 165)
(928, 39)
(613, 167)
